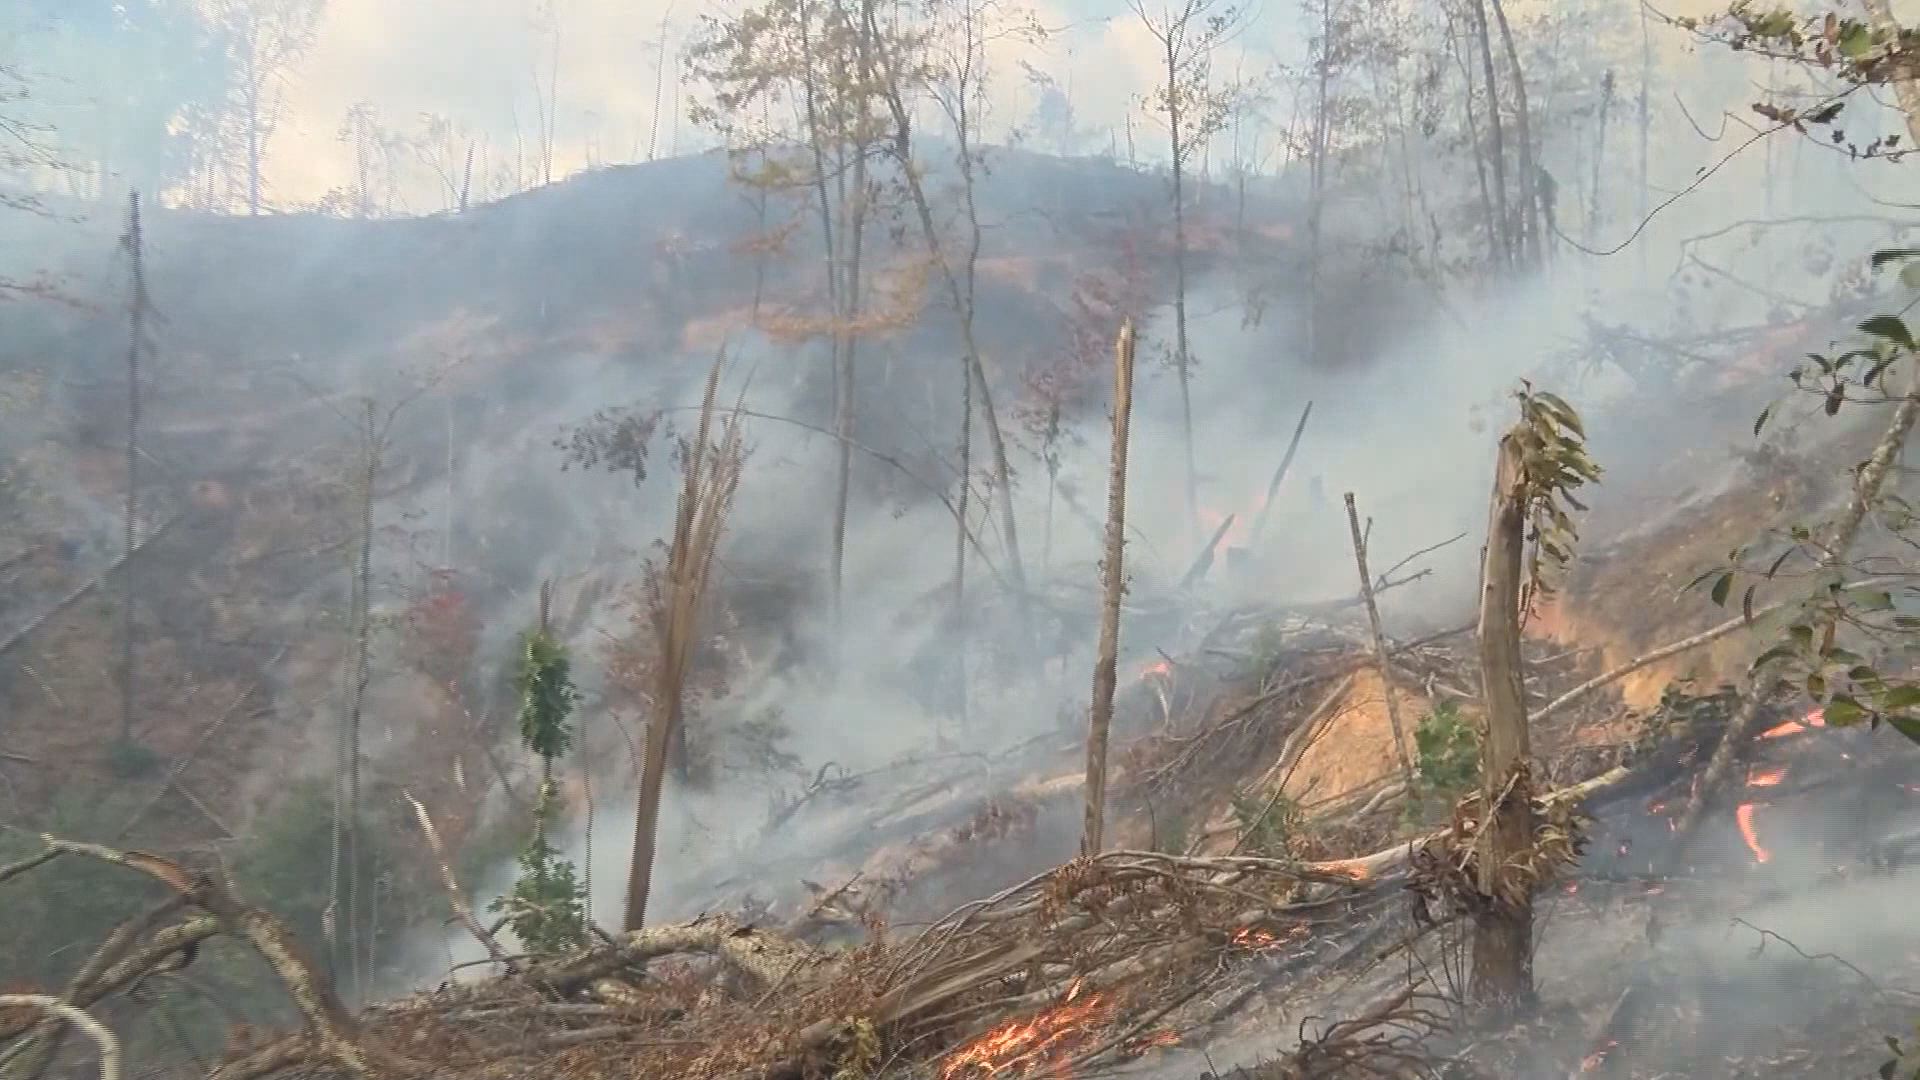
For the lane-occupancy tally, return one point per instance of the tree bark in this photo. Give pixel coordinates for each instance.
(1497, 152)
(1905, 91)
(1181, 354)
(136, 341)
(1113, 584)
(1502, 974)
(1530, 210)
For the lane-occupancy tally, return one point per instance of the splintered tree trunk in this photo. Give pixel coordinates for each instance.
(653, 776)
(1503, 936)
(1113, 584)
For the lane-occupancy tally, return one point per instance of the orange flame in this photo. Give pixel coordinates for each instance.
(1153, 1039)
(1744, 815)
(1351, 868)
(1766, 777)
(1252, 937)
(1024, 1047)
(1237, 534)
(1814, 719)
(1158, 667)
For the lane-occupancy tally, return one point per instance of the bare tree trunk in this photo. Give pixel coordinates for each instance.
(1379, 644)
(961, 501)
(466, 178)
(1479, 155)
(349, 823)
(1502, 974)
(136, 341)
(1113, 585)
(1600, 156)
(1498, 151)
(1530, 218)
(659, 82)
(1646, 123)
(1181, 355)
(1317, 177)
(253, 151)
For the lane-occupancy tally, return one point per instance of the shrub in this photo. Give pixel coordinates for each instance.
(1446, 761)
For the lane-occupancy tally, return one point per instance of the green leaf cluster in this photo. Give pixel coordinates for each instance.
(1446, 762)
(1554, 464)
(547, 907)
(547, 696)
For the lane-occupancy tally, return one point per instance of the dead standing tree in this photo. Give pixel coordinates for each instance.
(1113, 586)
(265, 39)
(1542, 460)
(818, 56)
(139, 306)
(710, 468)
(1195, 110)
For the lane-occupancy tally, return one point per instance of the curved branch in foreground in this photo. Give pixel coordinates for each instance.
(332, 1033)
(78, 1017)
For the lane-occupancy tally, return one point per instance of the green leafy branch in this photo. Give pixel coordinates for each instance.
(1811, 653)
(547, 906)
(1856, 52)
(1554, 464)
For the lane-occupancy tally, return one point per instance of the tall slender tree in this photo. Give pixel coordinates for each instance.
(1194, 107)
(265, 40)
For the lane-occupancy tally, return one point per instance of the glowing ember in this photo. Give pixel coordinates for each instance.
(1766, 777)
(1154, 1039)
(1251, 937)
(1744, 815)
(1351, 869)
(1158, 667)
(1025, 1047)
(1598, 1057)
(1814, 719)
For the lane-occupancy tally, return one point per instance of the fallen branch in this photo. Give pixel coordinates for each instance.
(77, 1017)
(331, 1032)
(1705, 637)
(8, 643)
(1380, 863)
(456, 897)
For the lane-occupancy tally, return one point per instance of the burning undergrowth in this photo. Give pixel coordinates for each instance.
(1326, 947)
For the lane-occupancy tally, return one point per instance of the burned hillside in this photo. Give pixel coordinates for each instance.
(952, 541)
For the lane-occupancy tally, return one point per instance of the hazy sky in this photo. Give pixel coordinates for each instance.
(474, 61)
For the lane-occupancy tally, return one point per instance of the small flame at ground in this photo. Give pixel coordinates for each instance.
(1252, 937)
(1158, 667)
(1154, 1039)
(1744, 815)
(1021, 1048)
(1352, 869)
(1814, 719)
